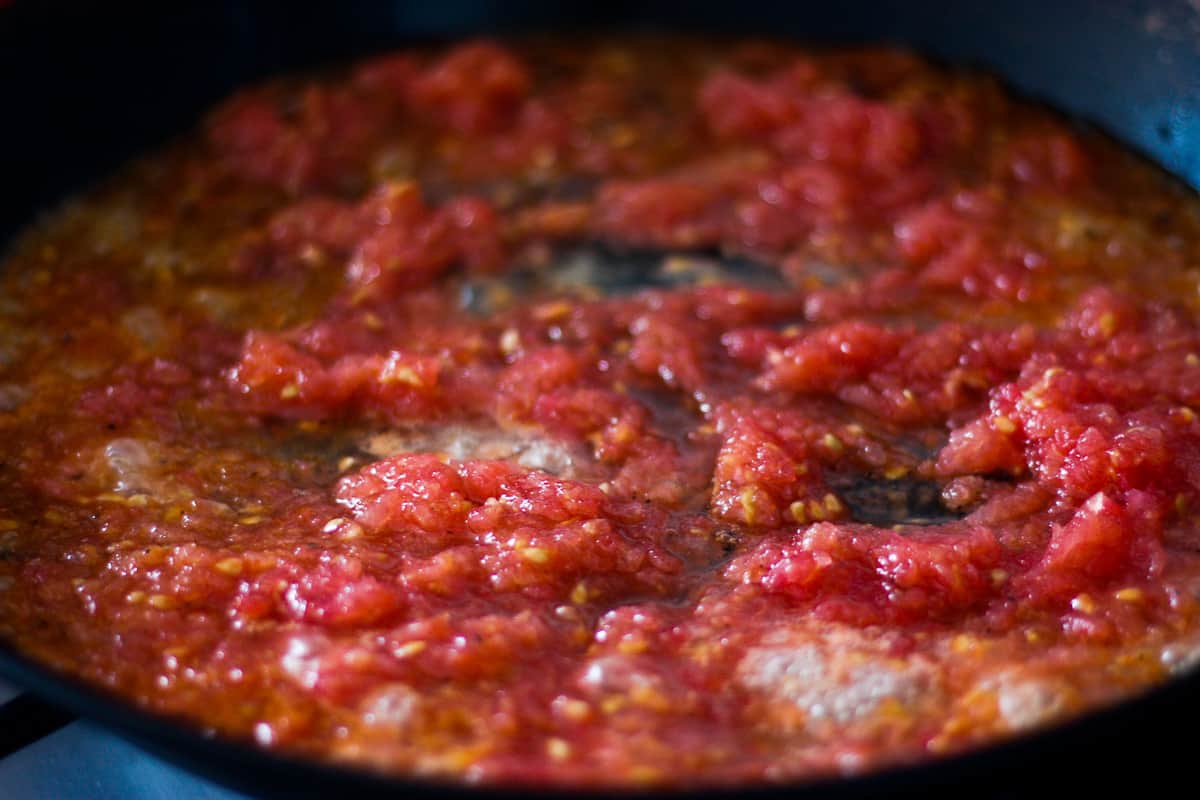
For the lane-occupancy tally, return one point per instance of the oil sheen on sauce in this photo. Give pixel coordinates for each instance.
(617, 412)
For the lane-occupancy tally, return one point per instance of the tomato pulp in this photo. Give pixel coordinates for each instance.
(638, 411)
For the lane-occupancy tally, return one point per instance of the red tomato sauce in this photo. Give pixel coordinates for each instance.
(630, 412)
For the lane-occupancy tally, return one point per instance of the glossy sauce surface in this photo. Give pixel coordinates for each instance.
(638, 411)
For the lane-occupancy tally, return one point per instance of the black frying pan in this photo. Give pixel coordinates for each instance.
(87, 84)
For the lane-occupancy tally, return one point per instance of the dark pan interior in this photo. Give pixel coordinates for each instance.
(86, 84)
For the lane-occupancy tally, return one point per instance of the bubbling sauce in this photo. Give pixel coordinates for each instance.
(624, 412)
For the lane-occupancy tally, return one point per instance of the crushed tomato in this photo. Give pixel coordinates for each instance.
(633, 412)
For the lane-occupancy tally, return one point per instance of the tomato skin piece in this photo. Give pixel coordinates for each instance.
(764, 480)
(278, 378)
(473, 88)
(1095, 541)
(832, 357)
(334, 595)
(412, 245)
(420, 491)
(735, 106)
(661, 213)
(979, 447)
(871, 576)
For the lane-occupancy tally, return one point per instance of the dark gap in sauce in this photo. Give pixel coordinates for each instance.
(899, 501)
